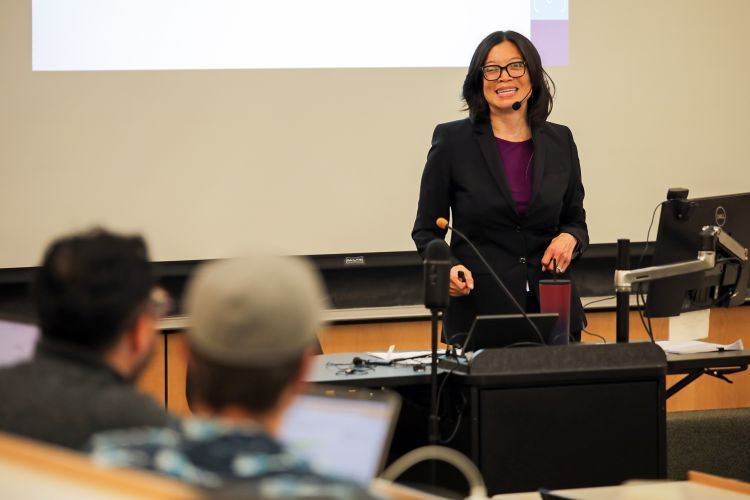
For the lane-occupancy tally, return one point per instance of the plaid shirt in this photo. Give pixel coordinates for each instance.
(210, 454)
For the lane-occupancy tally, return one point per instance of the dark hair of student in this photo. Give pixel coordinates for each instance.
(91, 288)
(542, 87)
(256, 389)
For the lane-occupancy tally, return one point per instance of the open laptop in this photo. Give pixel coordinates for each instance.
(343, 432)
(503, 330)
(18, 338)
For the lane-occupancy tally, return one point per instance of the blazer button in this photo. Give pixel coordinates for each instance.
(522, 260)
(518, 229)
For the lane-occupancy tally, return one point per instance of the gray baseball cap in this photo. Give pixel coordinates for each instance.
(255, 310)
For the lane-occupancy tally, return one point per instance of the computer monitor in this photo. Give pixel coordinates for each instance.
(678, 240)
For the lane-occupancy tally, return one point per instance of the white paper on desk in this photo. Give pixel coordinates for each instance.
(695, 346)
(403, 357)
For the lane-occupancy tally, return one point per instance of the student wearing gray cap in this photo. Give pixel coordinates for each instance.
(253, 326)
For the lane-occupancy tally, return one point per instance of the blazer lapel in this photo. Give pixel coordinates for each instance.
(539, 162)
(488, 146)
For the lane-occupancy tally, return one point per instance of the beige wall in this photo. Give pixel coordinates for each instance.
(328, 161)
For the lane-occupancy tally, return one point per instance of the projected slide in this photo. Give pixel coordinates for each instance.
(92, 35)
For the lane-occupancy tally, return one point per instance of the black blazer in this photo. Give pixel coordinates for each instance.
(464, 177)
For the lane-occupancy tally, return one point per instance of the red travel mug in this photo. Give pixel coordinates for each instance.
(554, 297)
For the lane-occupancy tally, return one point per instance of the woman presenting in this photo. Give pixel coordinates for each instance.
(511, 181)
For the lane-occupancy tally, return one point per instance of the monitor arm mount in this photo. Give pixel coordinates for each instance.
(625, 278)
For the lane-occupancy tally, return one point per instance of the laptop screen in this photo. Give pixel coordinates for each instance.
(503, 330)
(340, 431)
(17, 341)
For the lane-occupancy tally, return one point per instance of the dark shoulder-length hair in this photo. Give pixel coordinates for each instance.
(542, 87)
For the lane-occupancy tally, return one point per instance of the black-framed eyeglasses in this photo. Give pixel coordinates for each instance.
(492, 72)
(158, 304)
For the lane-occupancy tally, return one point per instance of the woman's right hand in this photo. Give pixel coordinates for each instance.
(462, 282)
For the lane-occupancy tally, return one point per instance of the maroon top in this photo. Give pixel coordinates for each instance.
(517, 158)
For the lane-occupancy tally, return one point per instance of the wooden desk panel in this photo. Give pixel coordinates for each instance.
(405, 335)
(176, 371)
(153, 379)
(727, 325)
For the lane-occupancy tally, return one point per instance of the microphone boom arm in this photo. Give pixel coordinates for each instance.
(443, 224)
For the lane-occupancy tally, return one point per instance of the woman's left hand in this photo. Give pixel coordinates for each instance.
(561, 249)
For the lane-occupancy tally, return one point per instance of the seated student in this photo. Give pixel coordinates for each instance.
(253, 325)
(97, 308)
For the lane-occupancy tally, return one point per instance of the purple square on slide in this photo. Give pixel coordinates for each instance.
(551, 39)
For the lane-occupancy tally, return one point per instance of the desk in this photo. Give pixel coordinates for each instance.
(168, 366)
(330, 369)
(715, 364)
(683, 490)
(32, 469)
(556, 416)
(414, 428)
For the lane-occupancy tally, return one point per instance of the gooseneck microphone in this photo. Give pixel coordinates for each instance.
(437, 270)
(437, 279)
(442, 223)
(517, 105)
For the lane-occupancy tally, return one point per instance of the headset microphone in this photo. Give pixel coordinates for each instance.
(517, 105)
(357, 361)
